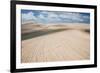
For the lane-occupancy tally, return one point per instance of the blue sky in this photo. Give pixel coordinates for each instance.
(46, 17)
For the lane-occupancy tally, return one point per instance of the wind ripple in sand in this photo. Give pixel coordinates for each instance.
(61, 46)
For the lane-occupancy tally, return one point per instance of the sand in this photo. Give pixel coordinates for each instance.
(65, 45)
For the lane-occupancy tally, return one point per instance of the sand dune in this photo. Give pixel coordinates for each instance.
(65, 45)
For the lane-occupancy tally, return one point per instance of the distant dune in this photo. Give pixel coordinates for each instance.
(29, 27)
(58, 42)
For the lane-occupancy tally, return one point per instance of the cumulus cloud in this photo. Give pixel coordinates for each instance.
(55, 17)
(28, 17)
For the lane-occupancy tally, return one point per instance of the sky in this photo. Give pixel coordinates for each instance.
(46, 17)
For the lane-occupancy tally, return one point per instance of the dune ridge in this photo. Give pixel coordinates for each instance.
(72, 43)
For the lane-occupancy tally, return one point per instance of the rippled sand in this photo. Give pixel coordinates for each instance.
(69, 44)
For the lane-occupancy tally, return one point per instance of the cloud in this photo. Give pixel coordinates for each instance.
(55, 17)
(28, 17)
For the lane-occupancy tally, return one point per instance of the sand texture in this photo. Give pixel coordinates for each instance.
(55, 43)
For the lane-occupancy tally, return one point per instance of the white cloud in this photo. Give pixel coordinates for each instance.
(51, 17)
(41, 16)
(28, 17)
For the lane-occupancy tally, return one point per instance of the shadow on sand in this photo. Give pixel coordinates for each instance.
(38, 33)
(86, 30)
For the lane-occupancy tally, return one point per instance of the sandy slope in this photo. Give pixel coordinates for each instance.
(61, 46)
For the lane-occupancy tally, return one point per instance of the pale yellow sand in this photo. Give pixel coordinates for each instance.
(61, 46)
